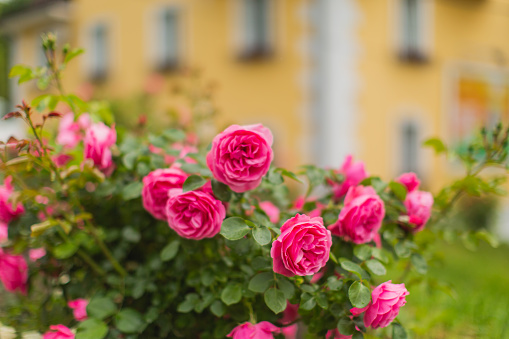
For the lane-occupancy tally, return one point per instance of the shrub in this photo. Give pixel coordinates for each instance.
(139, 234)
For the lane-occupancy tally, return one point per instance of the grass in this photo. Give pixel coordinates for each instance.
(477, 306)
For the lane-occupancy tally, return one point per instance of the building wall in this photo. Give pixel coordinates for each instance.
(393, 91)
(271, 91)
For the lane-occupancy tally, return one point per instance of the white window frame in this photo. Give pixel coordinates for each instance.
(153, 23)
(421, 51)
(242, 44)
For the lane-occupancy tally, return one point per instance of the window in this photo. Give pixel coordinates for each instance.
(99, 53)
(409, 147)
(256, 28)
(168, 51)
(413, 30)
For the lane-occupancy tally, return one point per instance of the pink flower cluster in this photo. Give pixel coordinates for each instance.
(193, 215)
(58, 332)
(361, 217)
(13, 272)
(418, 203)
(240, 156)
(353, 173)
(170, 159)
(8, 210)
(79, 308)
(99, 139)
(70, 132)
(302, 248)
(247, 330)
(386, 300)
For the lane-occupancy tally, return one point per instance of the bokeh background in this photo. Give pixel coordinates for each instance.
(372, 78)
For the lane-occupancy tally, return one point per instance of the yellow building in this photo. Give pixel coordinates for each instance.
(330, 77)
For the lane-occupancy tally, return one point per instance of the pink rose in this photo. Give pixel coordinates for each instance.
(299, 204)
(290, 332)
(361, 217)
(84, 121)
(99, 139)
(271, 210)
(262, 330)
(302, 248)
(68, 131)
(58, 332)
(410, 181)
(61, 160)
(418, 205)
(386, 300)
(79, 308)
(13, 272)
(36, 253)
(155, 189)
(7, 209)
(241, 156)
(353, 173)
(4, 232)
(334, 334)
(194, 214)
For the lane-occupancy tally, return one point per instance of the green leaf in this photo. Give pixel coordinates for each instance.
(289, 174)
(398, 332)
(419, 263)
(376, 267)
(43, 82)
(260, 282)
(354, 268)
(359, 294)
(221, 191)
(307, 302)
(65, 250)
(130, 321)
(362, 252)
(158, 141)
(345, 326)
(321, 300)
(398, 189)
(170, 251)
(234, 228)
(402, 249)
(381, 254)
(436, 144)
(19, 70)
(275, 300)
(274, 177)
(334, 283)
(190, 302)
(217, 308)
(193, 182)
(130, 159)
(101, 307)
(487, 237)
(91, 329)
(232, 293)
(262, 235)
(132, 190)
(131, 234)
(174, 134)
(73, 54)
(286, 286)
(358, 335)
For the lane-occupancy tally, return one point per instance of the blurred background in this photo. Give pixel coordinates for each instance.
(372, 78)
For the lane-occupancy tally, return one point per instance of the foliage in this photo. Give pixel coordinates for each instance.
(142, 279)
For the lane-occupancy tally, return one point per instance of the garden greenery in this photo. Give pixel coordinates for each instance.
(117, 234)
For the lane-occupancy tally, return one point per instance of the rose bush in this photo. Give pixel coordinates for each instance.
(131, 236)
